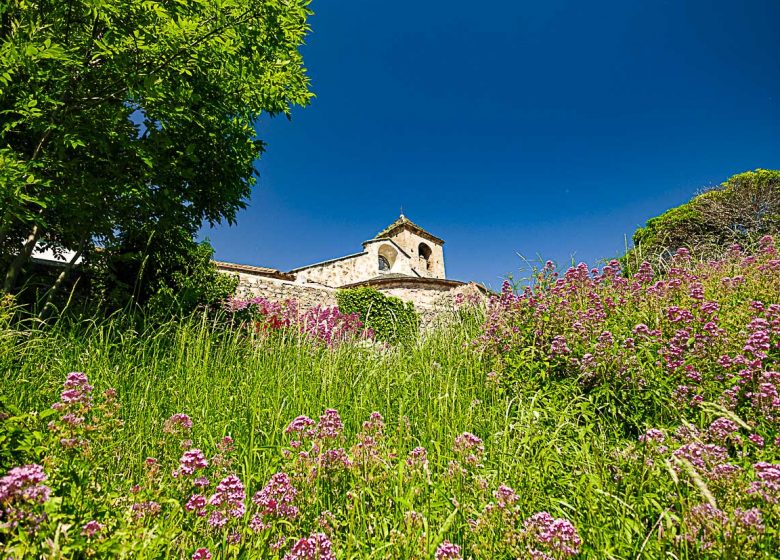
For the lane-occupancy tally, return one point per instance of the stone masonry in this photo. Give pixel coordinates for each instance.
(403, 260)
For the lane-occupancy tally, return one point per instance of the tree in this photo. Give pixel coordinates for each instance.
(740, 210)
(125, 118)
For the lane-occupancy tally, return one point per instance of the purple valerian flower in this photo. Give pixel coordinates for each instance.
(557, 535)
(197, 504)
(722, 429)
(374, 425)
(225, 445)
(301, 424)
(417, 459)
(470, 446)
(750, 519)
(177, 423)
(558, 346)
(23, 484)
(653, 434)
(229, 499)
(277, 497)
(201, 482)
(705, 457)
(330, 425)
(326, 521)
(448, 551)
(257, 525)
(77, 389)
(191, 461)
(146, 509)
(91, 528)
(505, 496)
(218, 519)
(768, 485)
(201, 554)
(756, 439)
(704, 523)
(316, 547)
(337, 459)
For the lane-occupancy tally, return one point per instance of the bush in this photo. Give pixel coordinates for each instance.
(391, 319)
(741, 210)
(168, 275)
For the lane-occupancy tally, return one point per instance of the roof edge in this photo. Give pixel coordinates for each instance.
(256, 270)
(403, 222)
(345, 257)
(409, 280)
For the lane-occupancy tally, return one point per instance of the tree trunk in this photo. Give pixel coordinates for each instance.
(21, 259)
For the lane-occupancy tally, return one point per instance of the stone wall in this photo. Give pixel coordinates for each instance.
(434, 301)
(308, 295)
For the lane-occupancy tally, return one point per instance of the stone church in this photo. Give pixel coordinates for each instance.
(402, 260)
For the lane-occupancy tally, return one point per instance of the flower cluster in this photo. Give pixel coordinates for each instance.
(327, 325)
(551, 538)
(228, 501)
(20, 490)
(277, 497)
(315, 547)
(704, 331)
(80, 416)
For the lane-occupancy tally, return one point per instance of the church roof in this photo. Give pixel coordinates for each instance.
(404, 222)
(256, 270)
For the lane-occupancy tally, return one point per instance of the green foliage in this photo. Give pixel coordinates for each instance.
(741, 210)
(123, 117)
(553, 444)
(169, 275)
(391, 319)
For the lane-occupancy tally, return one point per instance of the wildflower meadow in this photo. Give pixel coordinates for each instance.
(587, 414)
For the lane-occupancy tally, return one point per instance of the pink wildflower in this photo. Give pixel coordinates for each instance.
(301, 424)
(177, 423)
(277, 497)
(330, 425)
(91, 528)
(23, 484)
(316, 547)
(229, 498)
(723, 428)
(197, 504)
(191, 461)
(505, 496)
(201, 554)
(448, 551)
(558, 535)
(417, 459)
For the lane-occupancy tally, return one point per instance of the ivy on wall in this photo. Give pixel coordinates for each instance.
(391, 319)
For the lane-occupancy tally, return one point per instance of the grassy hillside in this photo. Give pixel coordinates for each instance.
(592, 416)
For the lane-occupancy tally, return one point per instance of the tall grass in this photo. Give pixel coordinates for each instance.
(561, 448)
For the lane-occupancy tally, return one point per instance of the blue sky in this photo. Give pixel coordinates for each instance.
(548, 128)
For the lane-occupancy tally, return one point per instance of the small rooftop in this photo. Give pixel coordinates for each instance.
(404, 222)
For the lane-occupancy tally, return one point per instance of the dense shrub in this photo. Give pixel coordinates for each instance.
(741, 210)
(390, 318)
(165, 276)
(651, 347)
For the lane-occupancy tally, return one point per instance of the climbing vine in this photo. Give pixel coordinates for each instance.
(391, 319)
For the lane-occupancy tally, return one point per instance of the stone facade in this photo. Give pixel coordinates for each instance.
(403, 260)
